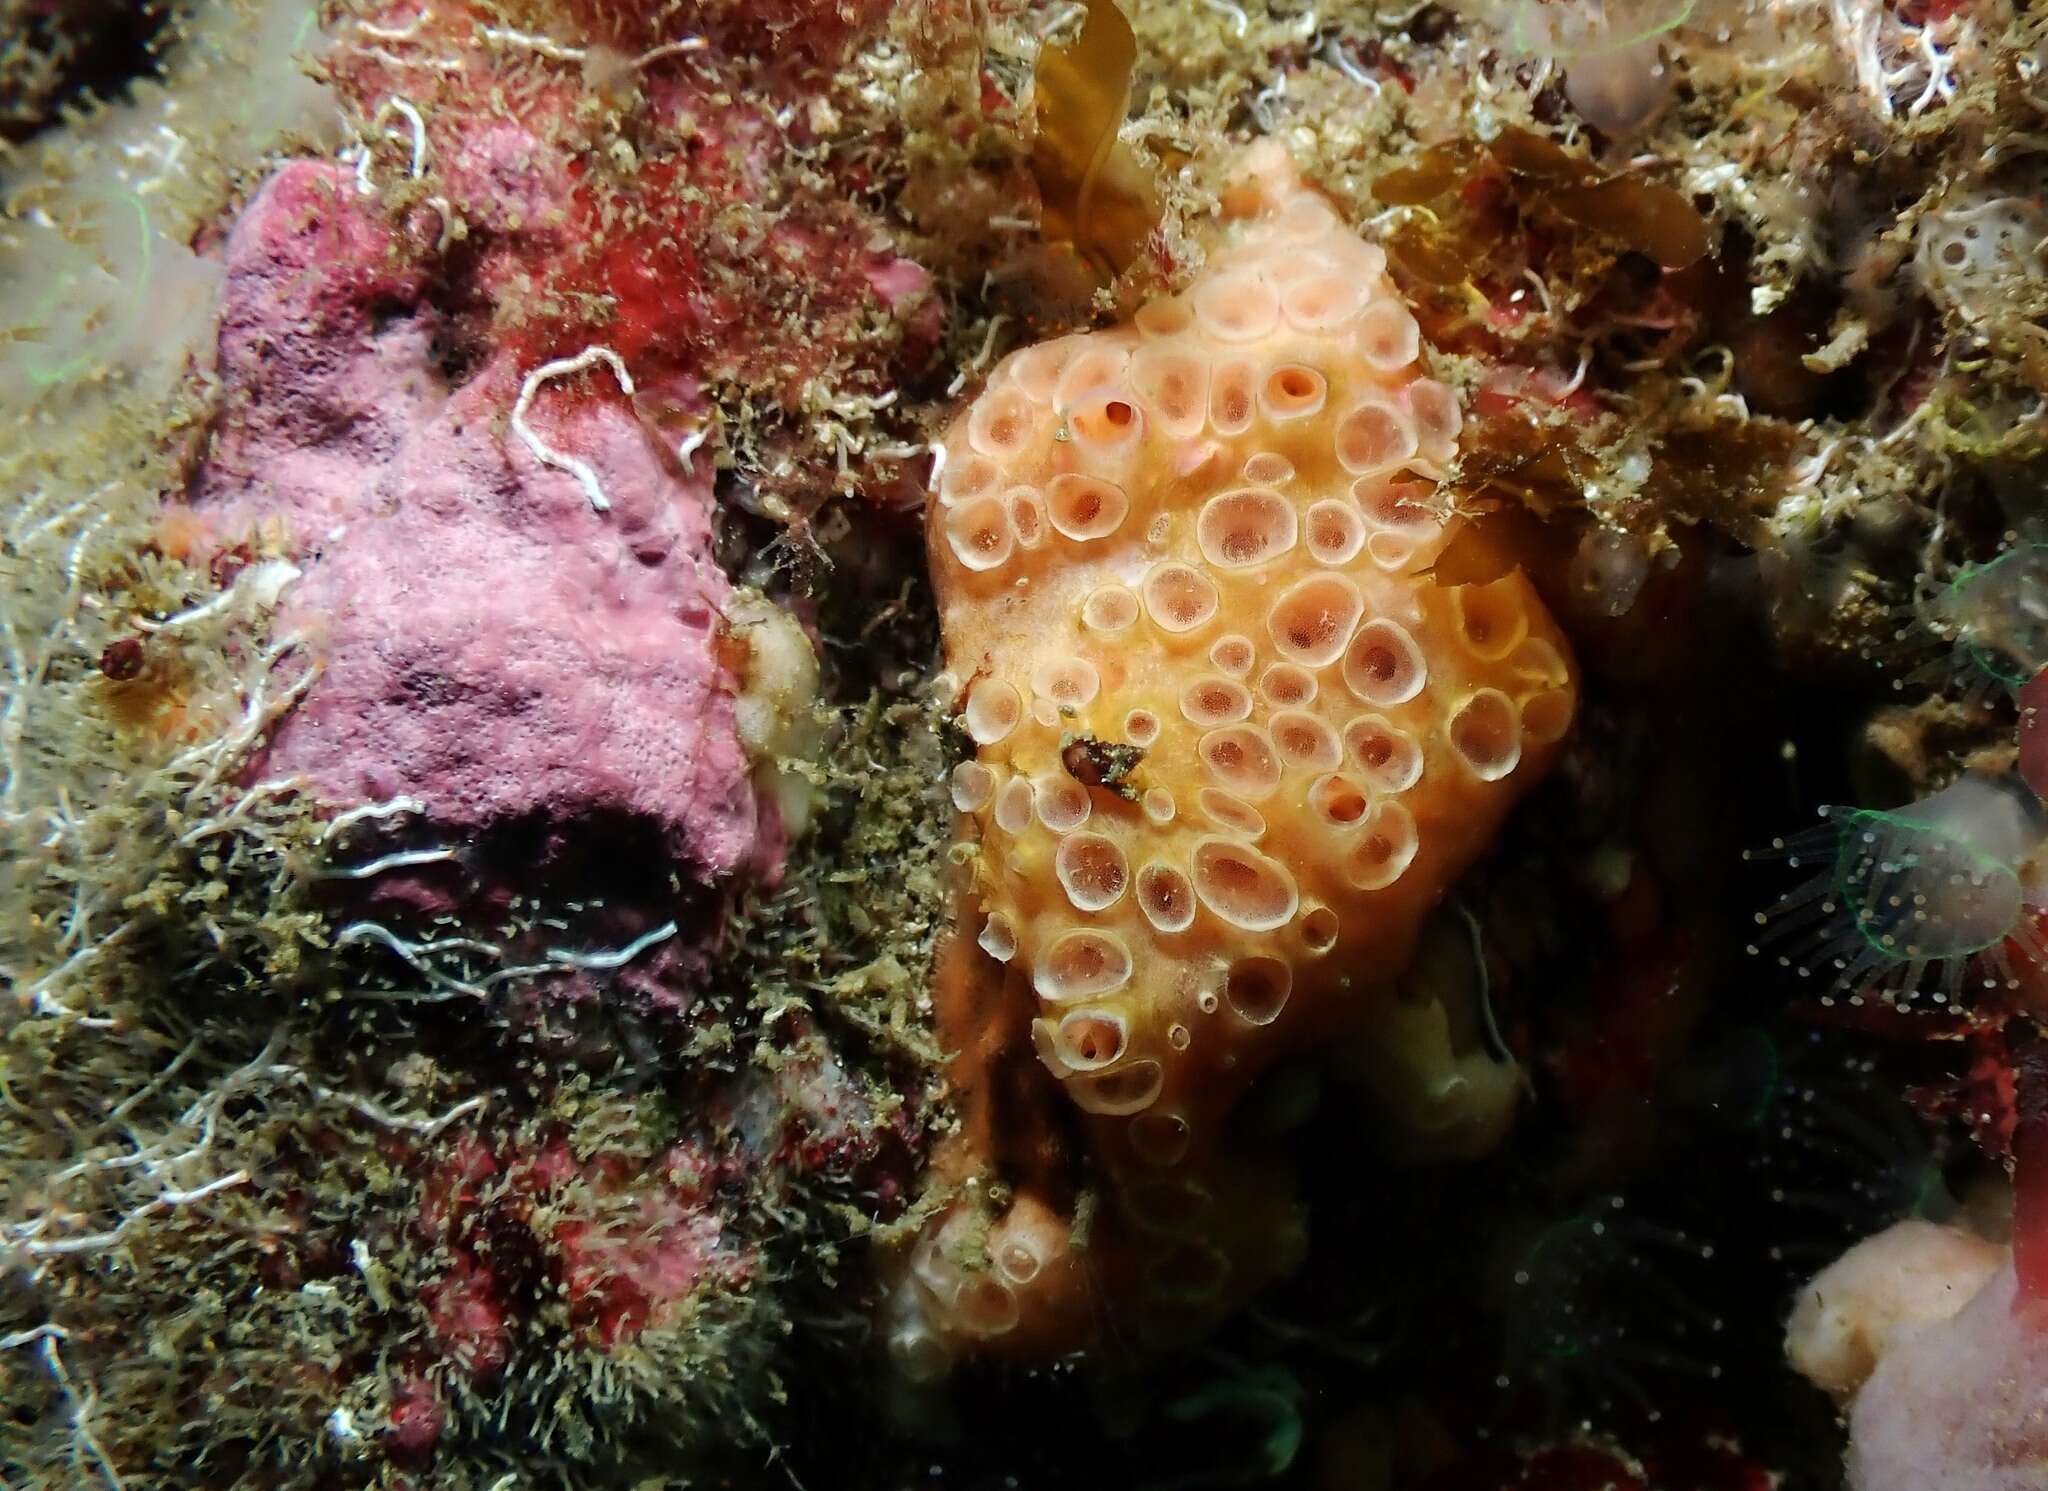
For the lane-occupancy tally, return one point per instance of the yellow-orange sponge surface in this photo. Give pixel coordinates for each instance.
(1232, 740)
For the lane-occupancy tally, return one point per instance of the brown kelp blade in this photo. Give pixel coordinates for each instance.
(1096, 196)
(1654, 220)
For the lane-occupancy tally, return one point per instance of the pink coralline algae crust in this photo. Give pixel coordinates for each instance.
(1959, 1406)
(490, 644)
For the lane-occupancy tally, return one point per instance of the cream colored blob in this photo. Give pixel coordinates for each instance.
(775, 713)
(1909, 1276)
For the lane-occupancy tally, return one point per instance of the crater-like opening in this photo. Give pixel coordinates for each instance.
(1085, 508)
(1256, 989)
(1092, 871)
(1082, 964)
(1242, 886)
(1245, 527)
(1486, 733)
(1312, 622)
(1166, 897)
(1383, 665)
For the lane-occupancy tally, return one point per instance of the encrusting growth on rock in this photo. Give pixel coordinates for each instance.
(1206, 536)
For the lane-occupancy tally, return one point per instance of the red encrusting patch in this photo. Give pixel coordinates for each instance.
(696, 256)
(1678, 1462)
(1985, 1096)
(2033, 757)
(417, 1418)
(794, 35)
(516, 1223)
(2030, 1179)
(466, 1313)
(639, 275)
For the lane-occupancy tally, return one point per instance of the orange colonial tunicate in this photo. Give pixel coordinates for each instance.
(1232, 576)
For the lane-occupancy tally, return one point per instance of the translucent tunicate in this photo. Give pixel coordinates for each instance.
(978, 532)
(1388, 338)
(1231, 814)
(1018, 1261)
(1384, 849)
(966, 477)
(1438, 420)
(1236, 306)
(1383, 666)
(1241, 759)
(994, 709)
(1268, 468)
(1003, 423)
(1175, 384)
(1037, 369)
(1233, 397)
(1082, 964)
(1069, 682)
(1313, 620)
(1256, 989)
(1233, 654)
(1319, 930)
(1166, 897)
(973, 786)
(1027, 515)
(1092, 871)
(1397, 506)
(1215, 700)
(1013, 806)
(1287, 686)
(1321, 302)
(998, 938)
(1335, 532)
(1388, 756)
(1160, 1138)
(1486, 734)
(1304, 742)
(1088, 1040)
(1062, 803)
(1491, 620)
(1109, 608)
(1246, 527)
(1126, 1089)
(1339, 800)
(1105, 424)
(1242, 886)
(1168, 316)
(1092, 373)
(1609, 569)
(985, 1306)
(1375, 437)
(1086, 507)
(1178, 598)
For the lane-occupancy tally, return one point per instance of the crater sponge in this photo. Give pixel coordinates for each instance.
(1233, 743)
